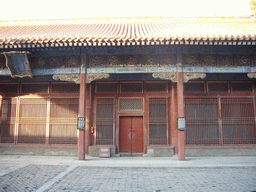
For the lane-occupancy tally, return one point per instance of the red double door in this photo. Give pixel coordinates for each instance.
(131, 134)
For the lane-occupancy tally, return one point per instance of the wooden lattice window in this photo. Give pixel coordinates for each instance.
(106, 87)
(9, 88)
(131, 104)
(202, 121)
(65, 88)
(104, 121)
(131, 87)
(63, 120)
(238, 121)
(241, 87)
(7, 118)
(156, 87)
(218, 87)
(157, 121)
(34, 88)
(32, 120)
(194, 87)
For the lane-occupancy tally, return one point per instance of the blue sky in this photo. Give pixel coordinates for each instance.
(63, 9)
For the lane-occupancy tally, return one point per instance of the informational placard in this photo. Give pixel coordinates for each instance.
(80, 123)
(181, 123)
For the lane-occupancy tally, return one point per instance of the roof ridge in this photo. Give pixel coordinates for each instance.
(124, 19)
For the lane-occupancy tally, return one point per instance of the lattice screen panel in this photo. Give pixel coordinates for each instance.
(34, 88)
(8, 115)
(202, 121)
(194, 87)
(242, 60)
(218, 87)
(57, 62)
(32, 120)
(65, 88)
(238, 121)
(72, 61)
(225, 60)
(156, 87)
(157, 121)
(241, 87)
(104, 121)
(131, 104)
(149, 60)
(39, 62)
(167, 60)
(63, 120)
(130, 60)
(209, 60)
(190, 60)
(106, 87)
(113, 60)
(131, 87)
(96, 61)
(9, 88)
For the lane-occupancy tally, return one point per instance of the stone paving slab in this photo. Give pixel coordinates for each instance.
(158, 179)
(34, 173)
(29, 178)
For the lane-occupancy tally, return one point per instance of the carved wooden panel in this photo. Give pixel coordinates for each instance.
(57, 62)
(96, 61)
(254, 60)
(40, 62)
(131, 60)
(242, 60)
(209, 60)
(2, 63)
(190, 60)
(149, 60)
(73, 61)
(113, 60)
(225, 60)
(167, 60)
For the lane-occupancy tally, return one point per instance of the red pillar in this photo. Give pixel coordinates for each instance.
(81, 113)
(87, 116)
(181, 109)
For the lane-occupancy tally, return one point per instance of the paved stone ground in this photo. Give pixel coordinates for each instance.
(29, 178)
(24, 173)
(158, 179)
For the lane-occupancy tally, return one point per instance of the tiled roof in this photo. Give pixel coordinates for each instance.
(126, 31)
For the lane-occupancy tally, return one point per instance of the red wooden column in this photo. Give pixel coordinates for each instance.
(81, 113)
(81, 110)
(181, 109)
(87, 116)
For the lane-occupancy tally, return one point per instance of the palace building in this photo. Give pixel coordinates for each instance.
(134, 86)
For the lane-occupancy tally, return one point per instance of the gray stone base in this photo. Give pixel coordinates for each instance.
(154, 152)
(38, 151)
(220, 152)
